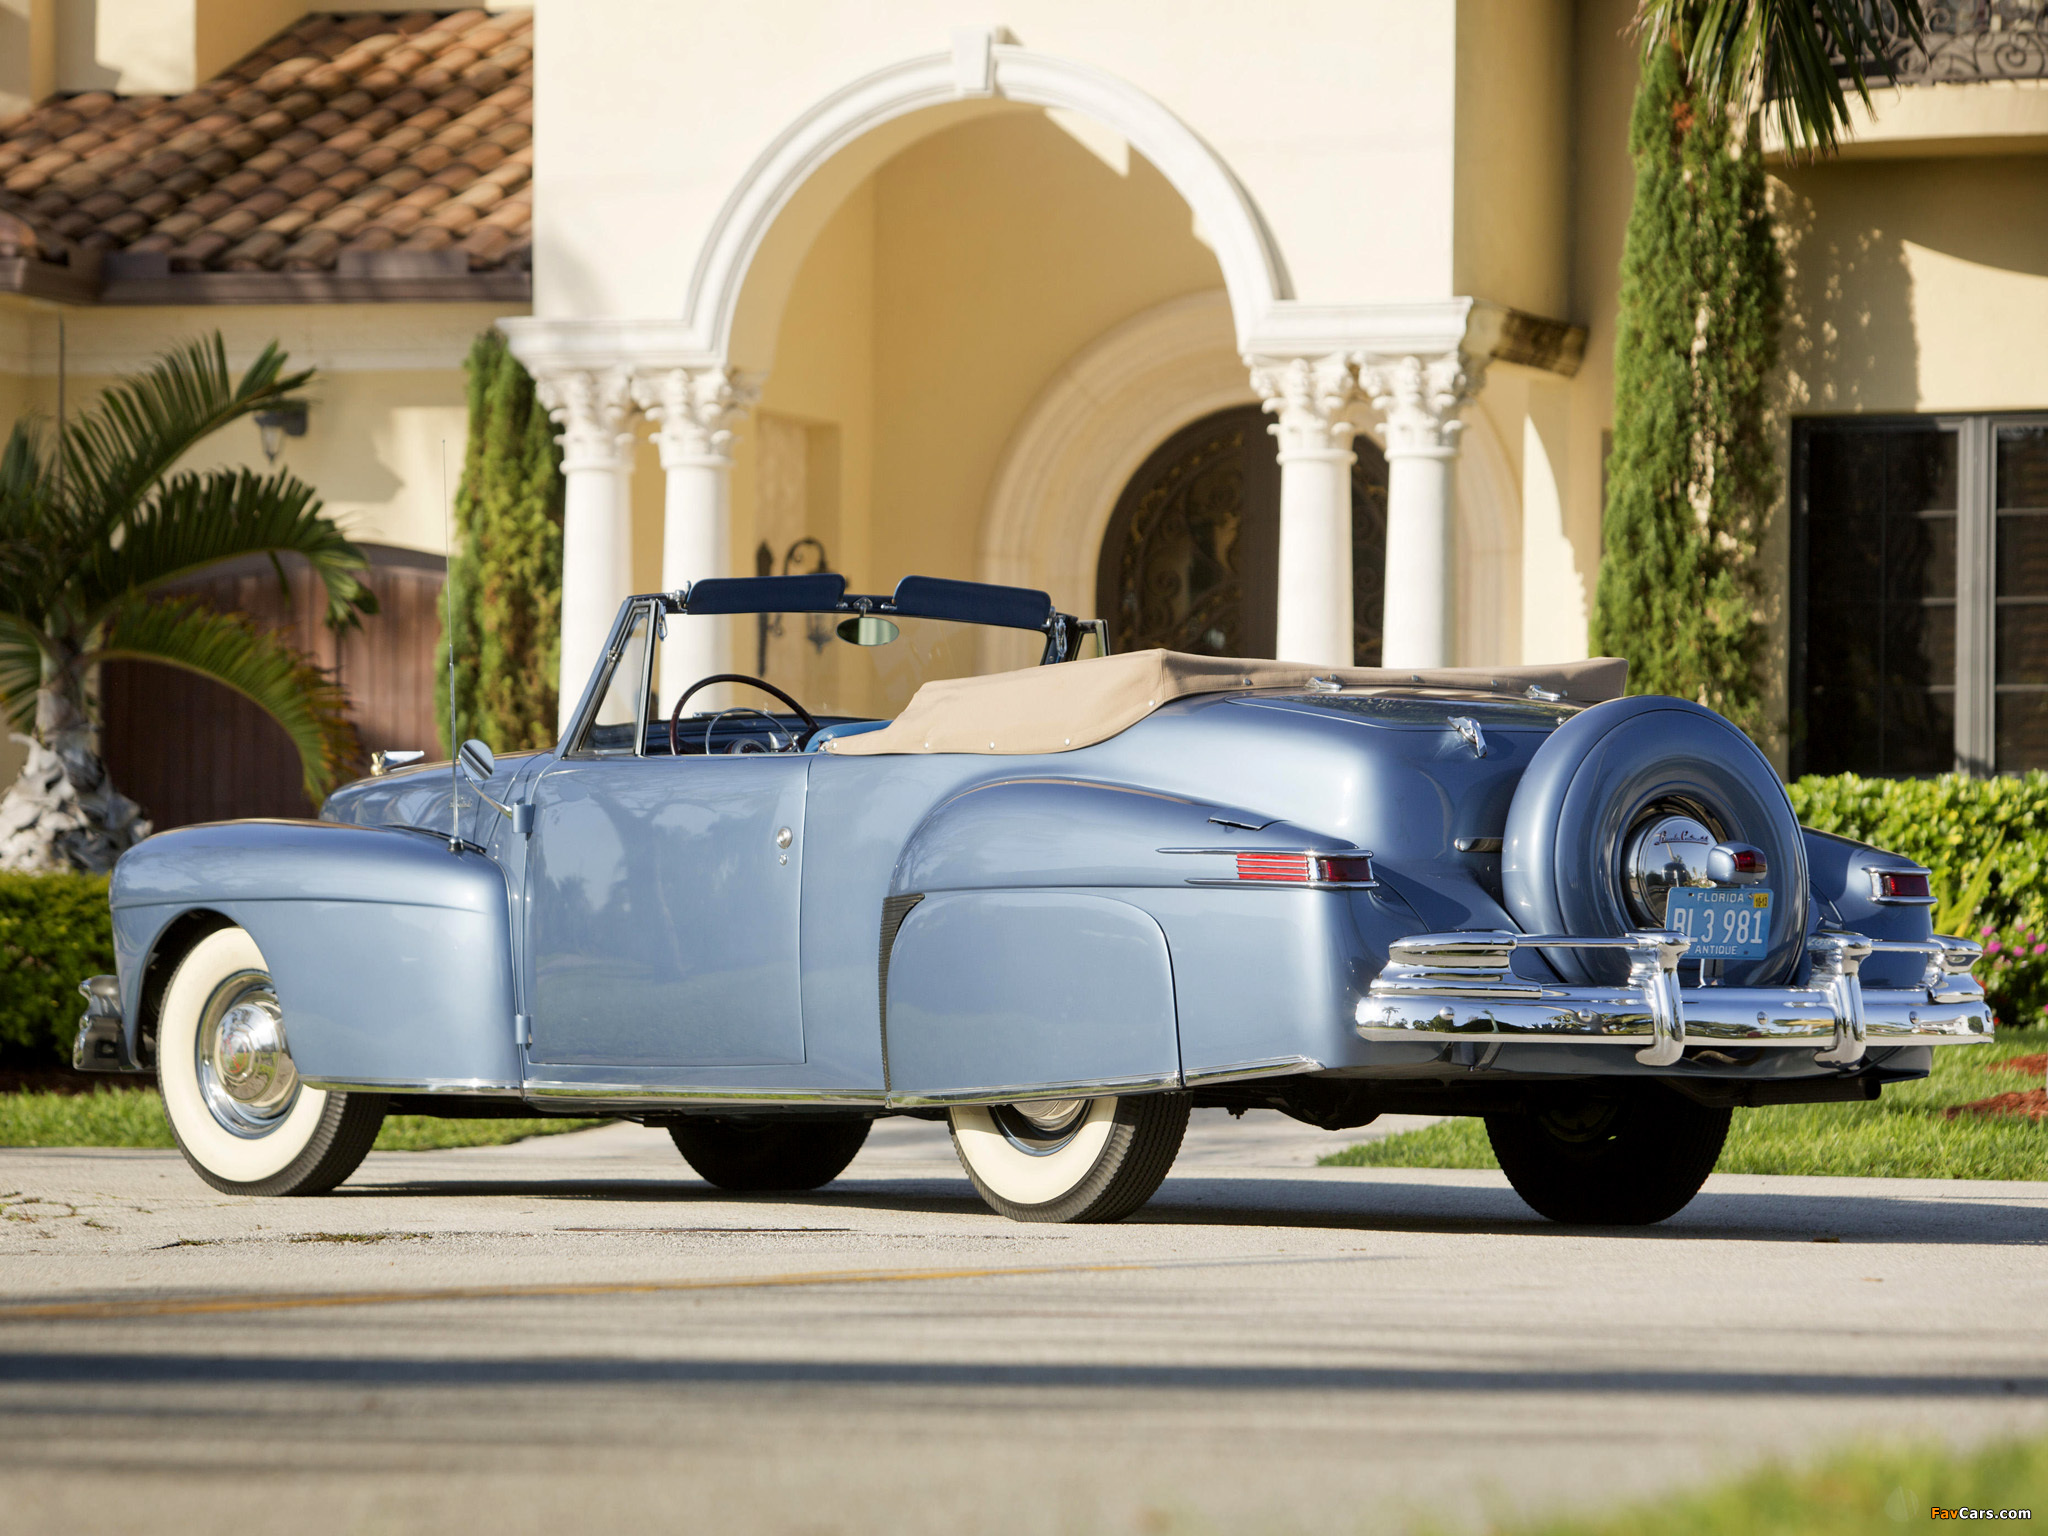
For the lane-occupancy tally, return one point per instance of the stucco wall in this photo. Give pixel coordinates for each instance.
(388, 389)
(1512, 214)
(1339, 124)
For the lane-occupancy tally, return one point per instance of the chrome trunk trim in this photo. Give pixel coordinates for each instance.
(1459, 987)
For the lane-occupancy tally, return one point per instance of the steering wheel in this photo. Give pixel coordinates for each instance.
(675, 717)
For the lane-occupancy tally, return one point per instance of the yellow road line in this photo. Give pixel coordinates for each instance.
(190, 1306)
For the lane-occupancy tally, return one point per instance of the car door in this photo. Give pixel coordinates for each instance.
(662, 896)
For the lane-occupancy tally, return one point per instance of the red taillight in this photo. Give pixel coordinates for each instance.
(1902, 885)
(1306, 868)
(1290, 867)
(1747, 861)
(1347, 868)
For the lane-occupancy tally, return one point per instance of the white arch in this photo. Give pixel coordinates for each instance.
(1095, 422)
(980, 71)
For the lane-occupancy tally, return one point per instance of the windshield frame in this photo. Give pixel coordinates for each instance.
(926, 597)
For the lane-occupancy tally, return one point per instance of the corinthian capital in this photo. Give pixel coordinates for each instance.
(695, 410)
(1420, 398)
(1307, 395)
(591, 405)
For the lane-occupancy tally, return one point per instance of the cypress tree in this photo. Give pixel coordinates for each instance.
(1691, 478)
(507, 564)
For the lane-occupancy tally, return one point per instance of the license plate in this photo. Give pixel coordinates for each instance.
(1722, 924)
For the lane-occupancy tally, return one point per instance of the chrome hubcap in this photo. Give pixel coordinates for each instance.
(245, 1067)
(1040, 1126)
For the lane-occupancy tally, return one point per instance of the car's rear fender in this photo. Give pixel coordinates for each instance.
(1844, 891)
(1069, 889)
(391, 956)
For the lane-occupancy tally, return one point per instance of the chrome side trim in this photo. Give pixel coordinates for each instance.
(1081, 1088)
(1239, 1071)
(453, 1087)
(619, 1095)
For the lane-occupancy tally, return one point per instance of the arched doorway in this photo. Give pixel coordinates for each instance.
(1191, 558)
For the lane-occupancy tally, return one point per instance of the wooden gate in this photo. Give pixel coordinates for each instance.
(190, 750)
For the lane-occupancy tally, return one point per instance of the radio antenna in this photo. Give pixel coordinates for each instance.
(454, 752)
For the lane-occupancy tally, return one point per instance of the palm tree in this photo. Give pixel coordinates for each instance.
(1785, 58)
(94, 524)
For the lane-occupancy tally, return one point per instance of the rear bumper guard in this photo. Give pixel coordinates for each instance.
(1460, 987)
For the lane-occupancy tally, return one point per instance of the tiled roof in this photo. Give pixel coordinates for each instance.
(349, 135)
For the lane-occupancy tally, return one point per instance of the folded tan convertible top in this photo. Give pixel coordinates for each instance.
(1078, 703)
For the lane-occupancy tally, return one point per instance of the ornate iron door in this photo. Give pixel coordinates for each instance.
(1191, 558)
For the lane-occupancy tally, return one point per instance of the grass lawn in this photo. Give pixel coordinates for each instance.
(1903, 1135)
(134, 1117)
(1856, 1492)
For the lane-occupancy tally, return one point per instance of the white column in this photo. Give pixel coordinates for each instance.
(1419, 399)
(1308, 396)
(695, 411)
(591, 405)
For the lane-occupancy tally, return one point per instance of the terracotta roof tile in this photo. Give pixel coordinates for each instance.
(356, 131)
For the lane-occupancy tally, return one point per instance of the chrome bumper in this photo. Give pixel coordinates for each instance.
(1460, 987)
(102, 1044)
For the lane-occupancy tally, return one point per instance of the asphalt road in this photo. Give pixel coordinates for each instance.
(573, 1333)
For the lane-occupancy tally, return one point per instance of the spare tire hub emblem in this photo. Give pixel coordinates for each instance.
(1666, 852)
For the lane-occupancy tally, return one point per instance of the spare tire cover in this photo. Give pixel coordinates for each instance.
(1599, 778)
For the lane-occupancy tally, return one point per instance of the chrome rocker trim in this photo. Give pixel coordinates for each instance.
(440, 1087)
(1459, 987)
(1081, 1088)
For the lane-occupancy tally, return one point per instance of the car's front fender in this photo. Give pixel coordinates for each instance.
(391, 955)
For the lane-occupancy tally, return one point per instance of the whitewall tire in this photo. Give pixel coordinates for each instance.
(231, 1091)
(1070, 1159)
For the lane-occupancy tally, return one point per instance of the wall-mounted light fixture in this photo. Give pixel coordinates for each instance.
(275, 425)
(794, 563)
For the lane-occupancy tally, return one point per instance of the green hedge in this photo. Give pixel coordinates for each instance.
(54, 932)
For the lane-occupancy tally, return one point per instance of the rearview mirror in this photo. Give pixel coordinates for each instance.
(477, 761)
(866, 629)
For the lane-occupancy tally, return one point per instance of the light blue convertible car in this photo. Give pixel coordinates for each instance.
(945, 862)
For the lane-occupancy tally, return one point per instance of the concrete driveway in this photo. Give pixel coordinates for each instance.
(574, 1332)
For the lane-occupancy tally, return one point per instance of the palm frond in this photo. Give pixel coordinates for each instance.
(196, 520)
(1788, 59)
(120, 445)
(232, 651)
(29, 549)
(21, 674)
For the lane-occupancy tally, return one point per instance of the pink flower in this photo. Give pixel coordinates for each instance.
(1991, 948)
(2041, 949)
(1985, 932)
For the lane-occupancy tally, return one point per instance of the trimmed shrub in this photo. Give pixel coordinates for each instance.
(507, 570)
(1693, 473)
(55, 931)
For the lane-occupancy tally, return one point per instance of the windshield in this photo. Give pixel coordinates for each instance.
(839, 666)
(831, 663)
